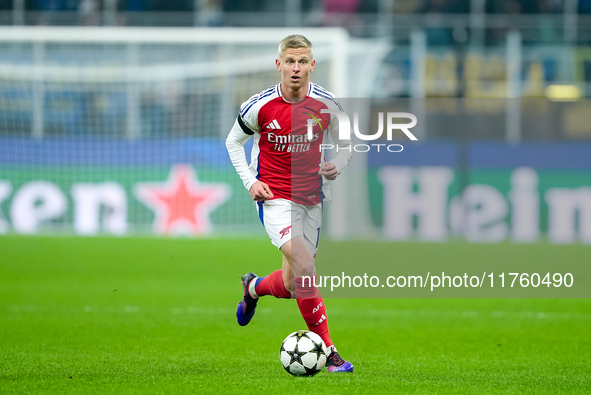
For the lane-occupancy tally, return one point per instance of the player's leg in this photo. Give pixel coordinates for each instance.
(299, 254)
(276, 284)
(311, 304)
(276, 218)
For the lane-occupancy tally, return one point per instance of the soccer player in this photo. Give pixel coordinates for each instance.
(287, 179)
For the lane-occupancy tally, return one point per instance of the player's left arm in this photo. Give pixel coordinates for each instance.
(328, 170)
(333, 168)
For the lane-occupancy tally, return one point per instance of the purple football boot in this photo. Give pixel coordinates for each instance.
(248, 304)
(336, 364)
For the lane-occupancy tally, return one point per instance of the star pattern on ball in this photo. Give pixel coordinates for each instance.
(317, 350)
(311, 371)
(300, 334)
(296, 355)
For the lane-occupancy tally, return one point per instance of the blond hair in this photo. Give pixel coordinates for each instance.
(295, 41)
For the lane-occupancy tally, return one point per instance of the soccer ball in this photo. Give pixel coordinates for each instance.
(303, 353)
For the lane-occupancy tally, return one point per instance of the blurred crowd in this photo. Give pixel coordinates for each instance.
(337, 6)
(446, 22)
(358, 16)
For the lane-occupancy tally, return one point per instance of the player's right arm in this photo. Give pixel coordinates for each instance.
(260, 191)
(243, 129)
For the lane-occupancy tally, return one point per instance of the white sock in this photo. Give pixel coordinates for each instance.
(251, 287)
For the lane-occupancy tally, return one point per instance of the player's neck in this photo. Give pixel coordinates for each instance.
(294, 96)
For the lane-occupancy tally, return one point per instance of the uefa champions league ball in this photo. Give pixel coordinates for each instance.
(303, 353)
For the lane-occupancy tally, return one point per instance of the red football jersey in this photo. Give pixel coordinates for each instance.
(283, 155)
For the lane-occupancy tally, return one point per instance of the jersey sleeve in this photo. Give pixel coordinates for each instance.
(245, 126)
(235, 146)
(344, 151)
(249, 113)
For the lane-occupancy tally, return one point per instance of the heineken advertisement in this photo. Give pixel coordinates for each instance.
(483, 192)
(120, 187)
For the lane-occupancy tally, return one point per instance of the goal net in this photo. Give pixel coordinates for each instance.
(121, 130)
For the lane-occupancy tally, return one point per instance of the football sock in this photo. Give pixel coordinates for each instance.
(312, 308)
(314, 313)
(272, 285)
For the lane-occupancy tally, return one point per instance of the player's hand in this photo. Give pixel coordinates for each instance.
(328, 170)
(260, 191)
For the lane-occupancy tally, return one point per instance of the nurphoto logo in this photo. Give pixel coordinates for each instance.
(345, 131)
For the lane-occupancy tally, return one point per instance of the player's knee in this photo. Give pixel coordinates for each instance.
(307, 268)
(303, 265)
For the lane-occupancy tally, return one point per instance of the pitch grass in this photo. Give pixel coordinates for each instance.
(108, 315)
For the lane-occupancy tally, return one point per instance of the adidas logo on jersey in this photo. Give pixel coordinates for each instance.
(273, 125)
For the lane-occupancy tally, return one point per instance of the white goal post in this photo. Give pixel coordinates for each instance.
(127, 52)
(155, 84)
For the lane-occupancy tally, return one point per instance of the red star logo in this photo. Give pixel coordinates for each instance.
(182, 204)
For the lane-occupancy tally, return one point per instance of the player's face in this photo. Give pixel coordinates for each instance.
(295, 66)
